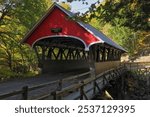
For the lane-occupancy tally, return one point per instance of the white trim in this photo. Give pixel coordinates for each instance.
(98, 42)
(74, 37)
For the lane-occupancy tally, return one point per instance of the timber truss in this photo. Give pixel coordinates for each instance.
(69, 49)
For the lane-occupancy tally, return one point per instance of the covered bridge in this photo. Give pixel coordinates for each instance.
(63, 44)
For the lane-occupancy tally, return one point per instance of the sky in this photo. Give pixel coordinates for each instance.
(79, 7)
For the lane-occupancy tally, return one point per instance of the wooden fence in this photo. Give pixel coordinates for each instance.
(80, 89)
(137, 65)
(25, 90)
(87, 88)
(142, 69)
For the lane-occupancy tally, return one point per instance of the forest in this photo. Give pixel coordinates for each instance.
(127, 22)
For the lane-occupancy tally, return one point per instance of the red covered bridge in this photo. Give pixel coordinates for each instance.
(63, 44)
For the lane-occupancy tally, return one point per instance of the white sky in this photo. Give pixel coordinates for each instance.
(78, 6)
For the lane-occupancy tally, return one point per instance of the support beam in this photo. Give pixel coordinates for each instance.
(103, 54)
(92, 63)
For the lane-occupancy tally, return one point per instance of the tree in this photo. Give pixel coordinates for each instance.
(16, 18)
(125, 21)
(66, 5)
(134, 14)
(124, 36)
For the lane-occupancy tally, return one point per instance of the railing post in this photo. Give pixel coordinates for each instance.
(103, 79)
(54, 95)
(147, 77)
(60, 85)
(81, 91)
(25, 93)
(92, 63)
(94, 87)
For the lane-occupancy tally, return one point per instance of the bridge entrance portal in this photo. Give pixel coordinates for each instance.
(61, 54)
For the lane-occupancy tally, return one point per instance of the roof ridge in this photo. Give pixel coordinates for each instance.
(64, 9)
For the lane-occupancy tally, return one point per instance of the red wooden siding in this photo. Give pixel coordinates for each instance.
(55, 19)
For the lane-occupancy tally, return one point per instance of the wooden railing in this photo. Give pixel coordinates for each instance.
(79, 89)
(25, 90)
(140, 68)
(87, 88)
(137, 65)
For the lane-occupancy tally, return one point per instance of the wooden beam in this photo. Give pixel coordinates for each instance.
(103, 54)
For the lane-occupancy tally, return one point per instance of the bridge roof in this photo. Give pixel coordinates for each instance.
(83, 31)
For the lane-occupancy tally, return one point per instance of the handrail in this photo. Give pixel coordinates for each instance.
(136, 62)
(136, 65)
(77, 76)
(13, 93)
(25, 90)
(80, 86)
(6, 95)
(43, 85)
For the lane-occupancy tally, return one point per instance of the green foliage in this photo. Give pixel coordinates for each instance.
(124, 21)
(16, 18)
(134, 14)
(65, 5)
(127, 22)
(124, 36)
(7, 74)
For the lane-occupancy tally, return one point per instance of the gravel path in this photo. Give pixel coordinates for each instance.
(17, 84)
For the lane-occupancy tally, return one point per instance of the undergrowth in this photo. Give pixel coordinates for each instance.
(6, 74)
